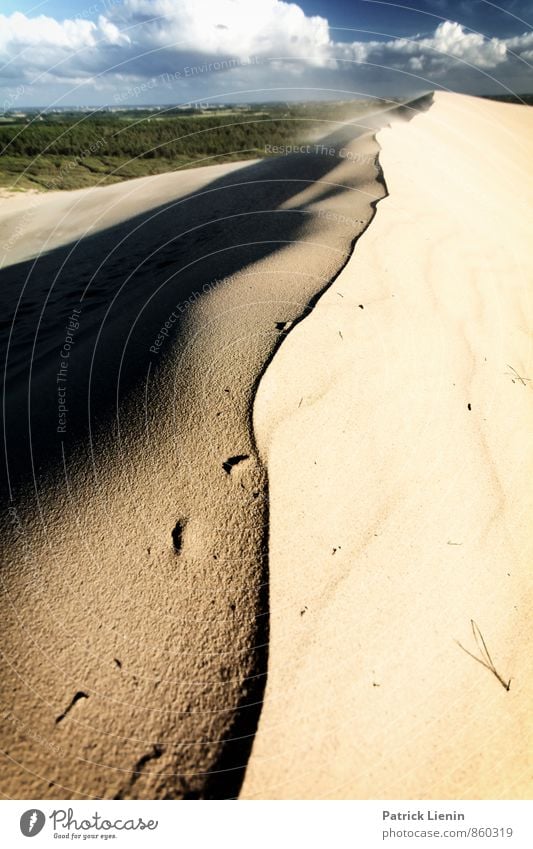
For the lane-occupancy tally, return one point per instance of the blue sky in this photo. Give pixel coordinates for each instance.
(508, 18)
(424, 15)
(91, 52)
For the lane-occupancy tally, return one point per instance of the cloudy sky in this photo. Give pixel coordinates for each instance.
(118, 52)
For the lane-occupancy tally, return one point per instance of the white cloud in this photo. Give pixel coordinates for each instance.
(520, 43)
(49, 50)
(18, 32)
(138, 39)
(238, 28)
(452, 40)
(111, 33)
(416, 63)
(450, 43)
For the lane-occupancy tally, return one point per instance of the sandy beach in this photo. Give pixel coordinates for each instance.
(266, 460)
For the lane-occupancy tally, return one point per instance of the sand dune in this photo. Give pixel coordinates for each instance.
(33, 222)
(146, 554)
(135, 576)
(395, 423)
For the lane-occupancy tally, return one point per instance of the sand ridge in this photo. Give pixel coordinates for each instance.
(135, 572)
(395, 423)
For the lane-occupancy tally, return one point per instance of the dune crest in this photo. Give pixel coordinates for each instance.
(395, 424)
(134, 559)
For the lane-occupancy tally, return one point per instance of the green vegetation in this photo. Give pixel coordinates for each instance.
(69, 150)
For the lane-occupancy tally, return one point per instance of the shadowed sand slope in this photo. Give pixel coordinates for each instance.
(395, 422)
(134, 579)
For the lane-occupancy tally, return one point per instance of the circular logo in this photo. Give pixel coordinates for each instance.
(32, 822)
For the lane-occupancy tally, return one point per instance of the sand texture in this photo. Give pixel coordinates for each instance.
(289, 456)
(134, 604)
(395, 422)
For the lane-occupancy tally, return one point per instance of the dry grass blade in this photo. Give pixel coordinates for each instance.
(485, 659)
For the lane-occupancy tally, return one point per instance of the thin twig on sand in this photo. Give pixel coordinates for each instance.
(523, 380)
(485, 659)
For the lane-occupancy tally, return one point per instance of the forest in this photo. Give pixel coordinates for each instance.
(69, 150)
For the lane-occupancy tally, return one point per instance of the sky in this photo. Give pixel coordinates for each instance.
(140, 52)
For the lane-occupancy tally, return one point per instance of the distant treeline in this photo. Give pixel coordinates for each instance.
(150, 138)
(526, 99)
(65, 151)
(155, 135)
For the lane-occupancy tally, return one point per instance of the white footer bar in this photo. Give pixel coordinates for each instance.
(268, 824)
